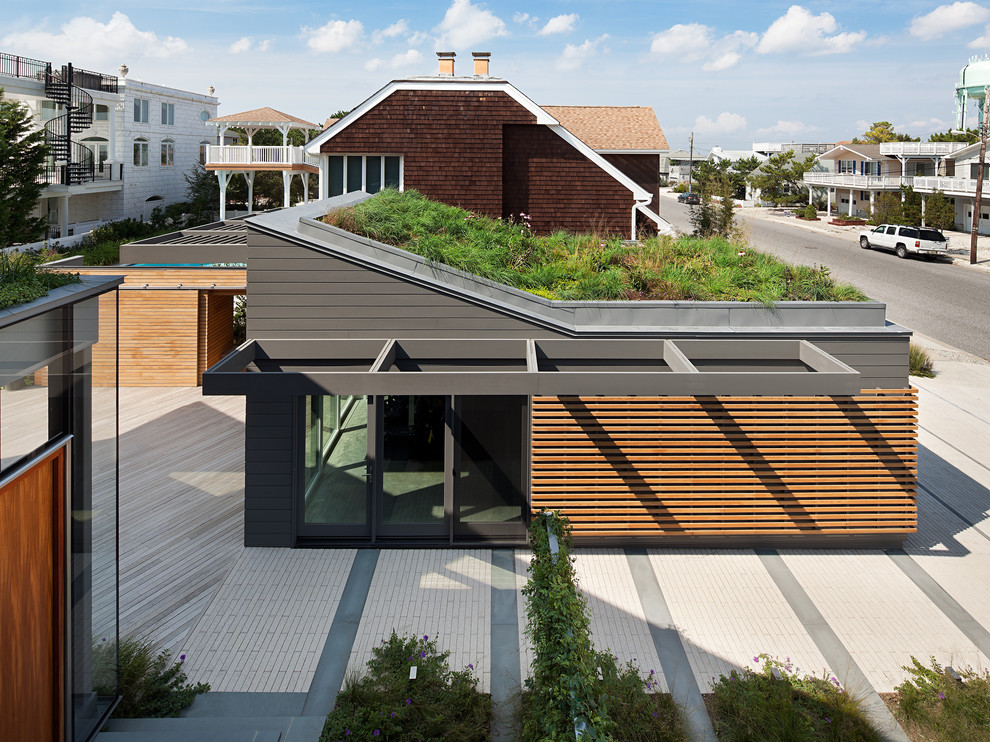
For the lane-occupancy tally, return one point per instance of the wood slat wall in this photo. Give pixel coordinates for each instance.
(728, 466)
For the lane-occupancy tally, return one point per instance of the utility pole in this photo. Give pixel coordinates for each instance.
(691, 161)
(978, 201)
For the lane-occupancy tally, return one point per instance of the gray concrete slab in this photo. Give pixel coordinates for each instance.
(506, 683)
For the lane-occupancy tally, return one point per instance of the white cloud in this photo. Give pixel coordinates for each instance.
(86, 38)
(404, 59)
(788, 129)
(521, 17)
(465, 25)
(694, 42)
(981, 41)
(559, 24)
(798, 30)
(947, 18)
(390, 32)
(925, 125)
(334, 36)
(246, 44)
(726, 123)
(575, 56)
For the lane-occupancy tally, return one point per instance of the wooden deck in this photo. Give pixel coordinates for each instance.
(181, 506)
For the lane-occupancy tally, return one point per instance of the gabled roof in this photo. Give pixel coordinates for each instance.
(613, 128)
(683, 154)
(264, 117)
(867, 151)
(473, 84)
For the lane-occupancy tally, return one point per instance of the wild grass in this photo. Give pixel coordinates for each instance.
(585, 266)
(933, 706)
(756, 706)
(385, 704)
(920, 363)
(21, 281)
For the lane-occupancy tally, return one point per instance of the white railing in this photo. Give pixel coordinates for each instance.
(965, 186)
(920, 148)
(857, 181)
(272, 156)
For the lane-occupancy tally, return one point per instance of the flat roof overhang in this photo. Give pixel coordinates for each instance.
(552, 367)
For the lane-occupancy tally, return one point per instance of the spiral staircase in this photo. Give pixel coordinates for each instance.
(73, 163)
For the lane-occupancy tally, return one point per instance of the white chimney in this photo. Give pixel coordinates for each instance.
(447, 63)
(481, 63)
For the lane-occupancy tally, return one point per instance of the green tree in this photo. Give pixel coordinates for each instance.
(715, 219)
(971, 136)
(883, 131)
(780, 178)
(911, 205)
(940, 212)
(202, 193)
(22, 161)
(887, 209)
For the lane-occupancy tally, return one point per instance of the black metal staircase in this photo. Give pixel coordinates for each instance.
(60, 86)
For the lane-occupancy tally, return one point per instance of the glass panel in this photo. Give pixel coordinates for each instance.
(412, 459)
(373, 179)
(335, 457)
(94, 516)
(488, 455)
(354, 172)
(391, 172)
(336, 175)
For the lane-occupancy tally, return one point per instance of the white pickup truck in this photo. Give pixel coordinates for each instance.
(905, 240)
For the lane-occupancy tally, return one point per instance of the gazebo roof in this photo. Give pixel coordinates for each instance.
(264, 117)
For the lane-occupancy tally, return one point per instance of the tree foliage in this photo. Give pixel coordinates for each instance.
(780, 178)
(972, 136)
(887, 209)
(202, 193)
(940, 212)
(911, 206)
(22, 161)
(713, 218)
(883, 131)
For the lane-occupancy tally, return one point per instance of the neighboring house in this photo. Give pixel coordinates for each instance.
(119, 147)
(478, 143)
(680, 164)
(58, 518)
(391, 400)
(818, 167)
(860, 172)
(765, 149)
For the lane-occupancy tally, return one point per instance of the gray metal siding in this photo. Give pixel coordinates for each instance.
(268, 467)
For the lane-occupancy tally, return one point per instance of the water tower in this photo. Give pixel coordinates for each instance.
(973, 81)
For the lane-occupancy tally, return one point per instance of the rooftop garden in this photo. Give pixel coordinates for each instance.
(21, 281)
(585, 266)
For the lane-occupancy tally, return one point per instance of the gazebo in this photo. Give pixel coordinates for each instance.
(229, 160)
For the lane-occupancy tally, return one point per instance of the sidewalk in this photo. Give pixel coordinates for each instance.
(688, 614)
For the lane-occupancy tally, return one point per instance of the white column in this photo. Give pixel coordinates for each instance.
(249, 177)
(224, 178)
(850, 210)
(286, 182)
(322, 183)
(922, 209)
(305, 180)
(63, 217)
(872, 195)
(828, 209)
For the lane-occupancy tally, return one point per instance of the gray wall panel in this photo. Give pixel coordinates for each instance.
(268, 486)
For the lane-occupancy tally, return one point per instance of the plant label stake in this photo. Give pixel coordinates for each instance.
(412, 672)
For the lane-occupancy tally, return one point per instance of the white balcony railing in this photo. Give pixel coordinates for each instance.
(963, 186)
(274, 157)
(907, 149)
(857, 181)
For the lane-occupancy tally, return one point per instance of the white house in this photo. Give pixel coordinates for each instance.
(119, 147)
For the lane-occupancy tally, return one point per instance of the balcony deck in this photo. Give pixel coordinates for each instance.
(260, 158)
(948, 185)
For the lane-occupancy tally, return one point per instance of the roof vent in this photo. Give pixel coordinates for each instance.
(481, 63)
(447, 63)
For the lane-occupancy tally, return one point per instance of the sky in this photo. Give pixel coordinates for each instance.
(730, 72)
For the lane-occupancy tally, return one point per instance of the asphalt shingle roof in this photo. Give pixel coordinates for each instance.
(264, 115)
(612, 127)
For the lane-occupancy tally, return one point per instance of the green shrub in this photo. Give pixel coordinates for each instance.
(810, 212)
(753, 706)
(681, 187)
(123, 230)
(21, 281)
(921, 364)
(151, 685)
(942, 709)
(103, 253)
(440, 704)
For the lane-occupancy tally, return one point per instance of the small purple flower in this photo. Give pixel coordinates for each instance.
(756, 660)
(182, 658)
(829, 720)
(408, 700)
(426, 638)
(422, 654)
(347, 733)
(941, 696)
(470, 666)
(377, 732)
(392, 715)
(654, 714)
(410, 658)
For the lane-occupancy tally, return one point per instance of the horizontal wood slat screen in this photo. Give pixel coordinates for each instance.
(719, 466)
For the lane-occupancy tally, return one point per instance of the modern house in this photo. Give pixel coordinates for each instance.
(391, 401)
(861, 171)
(479, 143)
(58, 518)
(119, 147)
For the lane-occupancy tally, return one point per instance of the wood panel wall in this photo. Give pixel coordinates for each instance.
(31, 603)
(168, 331)
(559, 187)
(745, 467)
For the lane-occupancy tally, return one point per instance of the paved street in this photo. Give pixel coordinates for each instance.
(943, 301)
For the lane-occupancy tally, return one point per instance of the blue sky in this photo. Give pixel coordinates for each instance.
(731, 72)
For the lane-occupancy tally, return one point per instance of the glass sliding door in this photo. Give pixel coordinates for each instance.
(412, 464)
(489, 466)
(335, 456)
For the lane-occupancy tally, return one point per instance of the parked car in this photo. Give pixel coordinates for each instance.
(689, 198)
(905, 240)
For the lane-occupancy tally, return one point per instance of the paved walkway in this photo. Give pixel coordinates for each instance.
(689, 615)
